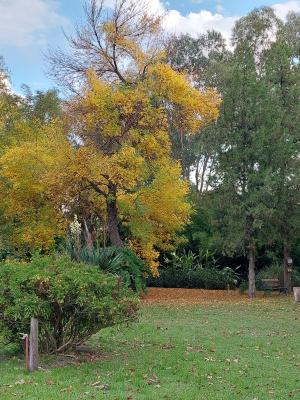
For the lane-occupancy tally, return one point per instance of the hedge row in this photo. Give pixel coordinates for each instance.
(201, 278)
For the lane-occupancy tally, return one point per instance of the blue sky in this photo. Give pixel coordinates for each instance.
(29, 27)
(230, 7)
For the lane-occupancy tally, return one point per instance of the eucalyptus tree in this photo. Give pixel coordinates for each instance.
(258, 29)
(205, 60)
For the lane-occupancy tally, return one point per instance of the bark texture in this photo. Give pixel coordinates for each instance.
(33, 345)
(112, 216)
(251, 274)
(286, 267)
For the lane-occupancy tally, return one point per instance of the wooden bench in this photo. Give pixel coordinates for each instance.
(271, 285)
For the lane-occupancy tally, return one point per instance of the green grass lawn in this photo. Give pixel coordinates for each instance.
(221, 351)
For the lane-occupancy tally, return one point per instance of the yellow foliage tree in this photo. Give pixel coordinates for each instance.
(112, 146)
(124, 152)
(26, 206)
(29, 220)
(129, 99)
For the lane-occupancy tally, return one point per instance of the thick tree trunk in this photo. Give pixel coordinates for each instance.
(251, 274)
(112, 216)
(286, 273)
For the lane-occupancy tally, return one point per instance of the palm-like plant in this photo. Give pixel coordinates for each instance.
(118, 261)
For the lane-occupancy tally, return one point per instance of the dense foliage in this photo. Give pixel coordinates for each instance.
(72, 301)
(144, 153)
(122, 262)
(247, 163)
(193, 271)
(275, 271)
(200, 278)
(107, 157)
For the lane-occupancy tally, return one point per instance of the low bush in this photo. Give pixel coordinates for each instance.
(72, 301)
(273, 271)
(276, 271)
(122, 262)
(295, 278)
(244, 286)
(190, 270)
(199, 278)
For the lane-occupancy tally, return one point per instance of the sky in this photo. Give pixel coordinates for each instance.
(28, 28)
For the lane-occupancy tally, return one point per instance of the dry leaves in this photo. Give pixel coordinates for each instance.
(183, 297)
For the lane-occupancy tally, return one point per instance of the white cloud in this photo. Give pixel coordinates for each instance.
(281, 9)
(199, 22)
(192, 23)
(23, 22)
(195, 23)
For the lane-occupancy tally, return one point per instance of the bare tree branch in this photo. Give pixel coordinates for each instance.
(110, 42)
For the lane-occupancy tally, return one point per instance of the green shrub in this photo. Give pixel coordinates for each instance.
(275, 271)
(199, 278)
(190, 270)
(295, 278)
(122, 262)
(182, 262)
(244, 285)
(187, 260)
(72, 301)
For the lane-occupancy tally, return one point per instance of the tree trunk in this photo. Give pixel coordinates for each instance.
(204, 167)
(286, 273)
(197, 176)
(112, 216)
(251, 274)
(88, 237)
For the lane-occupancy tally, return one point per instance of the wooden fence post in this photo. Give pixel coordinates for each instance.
(297, 294)
(34, 345)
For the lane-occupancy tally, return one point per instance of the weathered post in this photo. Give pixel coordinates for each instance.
(289, 272)
(297, 294)
(34, 345)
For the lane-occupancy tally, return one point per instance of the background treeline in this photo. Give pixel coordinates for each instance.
(242, 166)
(245, 166)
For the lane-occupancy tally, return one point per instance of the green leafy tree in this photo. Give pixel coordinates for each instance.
(205, 60)
(282, 75)
(240, 174)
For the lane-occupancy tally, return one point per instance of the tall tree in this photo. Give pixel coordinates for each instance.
(245, 136)
(120, 126)
(28, 219)
(258, 29)
(282, 75)
(204, 59)
(240, 174)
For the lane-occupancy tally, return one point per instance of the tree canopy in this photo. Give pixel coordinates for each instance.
(160, 142)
